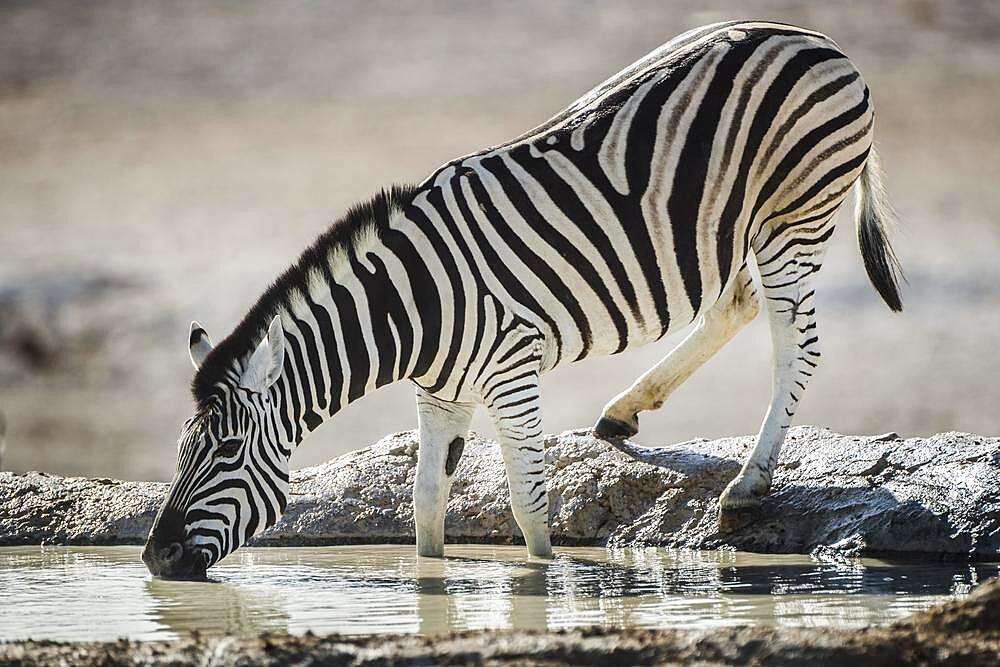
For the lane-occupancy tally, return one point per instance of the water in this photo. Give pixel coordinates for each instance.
(105, 593)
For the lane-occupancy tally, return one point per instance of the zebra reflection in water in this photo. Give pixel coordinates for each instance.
(217, 608)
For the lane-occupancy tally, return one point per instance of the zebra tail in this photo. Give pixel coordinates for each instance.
(875, 218)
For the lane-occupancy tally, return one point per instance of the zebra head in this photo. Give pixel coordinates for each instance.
(232, 466)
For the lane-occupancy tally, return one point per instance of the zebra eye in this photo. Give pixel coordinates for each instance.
(229, 447)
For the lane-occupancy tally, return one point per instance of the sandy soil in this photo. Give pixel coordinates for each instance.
(160, 163)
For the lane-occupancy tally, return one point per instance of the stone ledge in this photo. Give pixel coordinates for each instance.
(832, 494)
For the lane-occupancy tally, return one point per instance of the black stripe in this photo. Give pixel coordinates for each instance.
(435, 198)
(328, 335)
(558, 241)
(514, 287)
(806, 241)
(692, 171)
(256, 474)
(353, 341)
(821, 94)
(765, 114)
(281, 395)
(498, 340)
(639, 149)
(312, 348)
(778, 230)
(821, 184)
(796, 155)
(423, 287)
(477, 343)
(382, 301)
(569, 203)
(532, 260)
(302, 388)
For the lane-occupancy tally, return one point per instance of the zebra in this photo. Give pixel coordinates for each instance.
(697, 186)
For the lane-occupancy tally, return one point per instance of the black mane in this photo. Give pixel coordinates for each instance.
(373, 214)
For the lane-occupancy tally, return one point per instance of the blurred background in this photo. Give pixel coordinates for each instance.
(162, 162)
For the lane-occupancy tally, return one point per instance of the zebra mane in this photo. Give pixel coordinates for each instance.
(369, 216)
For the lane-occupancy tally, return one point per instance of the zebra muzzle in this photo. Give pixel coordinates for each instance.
(165, 553)
(174, 561)
(171, 554)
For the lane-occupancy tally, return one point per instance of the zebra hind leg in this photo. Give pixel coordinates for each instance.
(736, 307)
(443, 428)
(786, 264)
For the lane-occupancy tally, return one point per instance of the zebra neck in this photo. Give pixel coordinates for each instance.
(354, 328)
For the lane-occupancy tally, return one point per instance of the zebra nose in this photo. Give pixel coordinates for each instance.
(161, 561)
(171, 554)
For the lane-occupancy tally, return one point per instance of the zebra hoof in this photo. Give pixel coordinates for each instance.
(745, 492)
(733, 519)
(739, 504)
(614, 429)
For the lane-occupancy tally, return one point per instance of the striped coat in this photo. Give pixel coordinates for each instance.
(692, 187)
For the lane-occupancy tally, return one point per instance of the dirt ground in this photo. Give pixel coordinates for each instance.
(161, 162)
(965, 633)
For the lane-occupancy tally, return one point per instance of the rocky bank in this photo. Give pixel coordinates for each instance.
(832, 493)
(964, 633)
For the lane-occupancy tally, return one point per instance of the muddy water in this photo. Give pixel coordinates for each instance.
(105, 593)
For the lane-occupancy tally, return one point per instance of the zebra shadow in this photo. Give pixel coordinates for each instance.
(869, 520)
(680, 458)
(800, 515)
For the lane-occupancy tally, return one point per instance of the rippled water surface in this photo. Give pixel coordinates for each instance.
(106, 593)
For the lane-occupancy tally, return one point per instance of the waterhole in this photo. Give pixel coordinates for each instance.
(104, 593)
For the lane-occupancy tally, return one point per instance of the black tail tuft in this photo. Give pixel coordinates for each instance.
(874, 218)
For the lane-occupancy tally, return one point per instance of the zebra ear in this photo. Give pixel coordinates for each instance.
(264, 366)
(199, 345)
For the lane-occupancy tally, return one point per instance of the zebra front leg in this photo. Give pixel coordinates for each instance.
(443, 428)
(795, 355)
(736, 307)
(515, 406)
